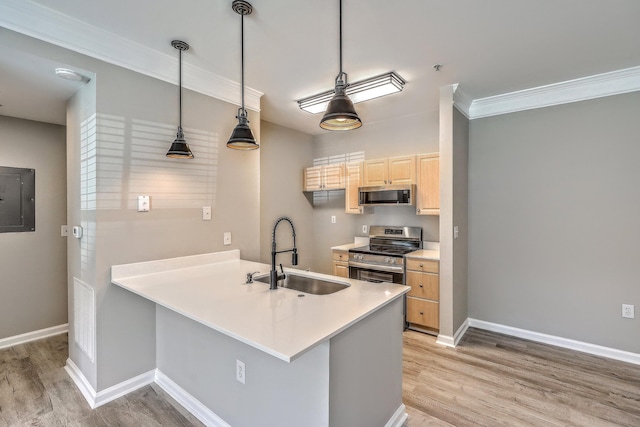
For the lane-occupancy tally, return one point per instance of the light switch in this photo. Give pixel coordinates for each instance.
(206, 213)
(143, 204)
(227, 238)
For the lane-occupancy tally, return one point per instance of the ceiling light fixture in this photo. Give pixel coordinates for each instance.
(68, 74)
(242, 138)
(362, 90)
(180, 149)
(340, 114)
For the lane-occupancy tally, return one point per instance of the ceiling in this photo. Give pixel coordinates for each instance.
(489, 47)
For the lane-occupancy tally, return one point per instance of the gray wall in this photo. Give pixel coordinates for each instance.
(283, 154)
(413, 134)
(136, 122)
(553, 219)
(33, 290)
(460, 217)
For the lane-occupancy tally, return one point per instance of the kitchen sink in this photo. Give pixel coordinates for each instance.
(306, 284)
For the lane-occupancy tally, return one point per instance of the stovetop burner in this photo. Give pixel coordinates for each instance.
(390, 241)
(387, 250)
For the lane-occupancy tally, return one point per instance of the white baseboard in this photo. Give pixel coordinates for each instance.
(96, 399)
(398, 418)
(32, 336)
(190, 403)
(184, 398)
(452, 341)
(597, 350)
(81, 382)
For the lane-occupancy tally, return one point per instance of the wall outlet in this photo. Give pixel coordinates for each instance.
(240, 371)
(144, 204)
(628, 311)
(365, 229)
(227, 238)
(206, 213)
(333, 219)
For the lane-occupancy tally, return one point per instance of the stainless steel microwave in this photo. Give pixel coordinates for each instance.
(387, 195)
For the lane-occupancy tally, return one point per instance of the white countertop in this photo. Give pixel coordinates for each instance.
(345, 247)
(210, 289)
(425, 254)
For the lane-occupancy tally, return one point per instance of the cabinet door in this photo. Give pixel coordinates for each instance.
(312, 179)
(375, 172)
(341, 269)
(423, 312)
(333, 177)
(424, 285)
(428, 200)
(353, 173)
(402, 170)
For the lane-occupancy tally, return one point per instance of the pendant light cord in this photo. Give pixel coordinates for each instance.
(340, 31)
(180, 89)
(243, 112)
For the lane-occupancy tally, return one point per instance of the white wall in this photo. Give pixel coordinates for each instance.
(33, 291)
(553, 219)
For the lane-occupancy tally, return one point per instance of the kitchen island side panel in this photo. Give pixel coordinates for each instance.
(203, 362)
(366, 370)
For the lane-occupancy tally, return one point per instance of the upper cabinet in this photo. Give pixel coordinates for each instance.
(354, 180)
(326, 177)
(428, 198)
(393, 170)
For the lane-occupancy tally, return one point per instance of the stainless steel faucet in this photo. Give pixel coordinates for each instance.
(274, 277)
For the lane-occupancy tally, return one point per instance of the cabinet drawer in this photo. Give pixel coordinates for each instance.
(427, 265)
(423, 312)
(340, 256)
(341, 269)
(424, 285)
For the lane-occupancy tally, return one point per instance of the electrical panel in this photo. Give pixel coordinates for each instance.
(17, 199)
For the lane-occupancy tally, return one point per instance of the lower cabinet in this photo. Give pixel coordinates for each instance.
(423, 301)
(340, 263)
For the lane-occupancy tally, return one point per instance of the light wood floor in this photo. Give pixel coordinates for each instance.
(35, 390)
(495, 380)
(488, 380)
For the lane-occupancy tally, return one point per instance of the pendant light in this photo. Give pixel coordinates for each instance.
(242, 138)
(340, 113)
(180, 149)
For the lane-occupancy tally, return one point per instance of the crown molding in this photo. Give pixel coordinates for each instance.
(461, 100)
(37, 21)
(600, 85)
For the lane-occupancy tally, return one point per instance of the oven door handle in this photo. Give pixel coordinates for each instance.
(389, 268)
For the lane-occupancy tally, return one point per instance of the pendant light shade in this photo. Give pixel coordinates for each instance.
(340, 113)
(179, 148)
(242, 138)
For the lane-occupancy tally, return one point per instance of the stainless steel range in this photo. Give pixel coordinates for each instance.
(383, 259)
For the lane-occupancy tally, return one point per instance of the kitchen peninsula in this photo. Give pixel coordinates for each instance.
(313, 360)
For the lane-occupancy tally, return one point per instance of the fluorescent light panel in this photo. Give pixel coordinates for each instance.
(363, 90)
